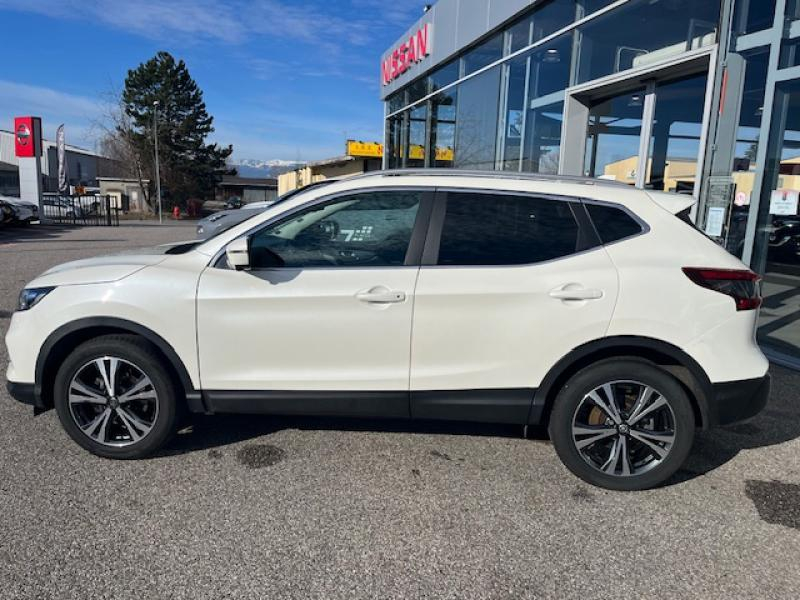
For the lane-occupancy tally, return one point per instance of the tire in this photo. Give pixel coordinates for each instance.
(124, 433)
(640, 443)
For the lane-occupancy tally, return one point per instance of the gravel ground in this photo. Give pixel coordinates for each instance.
(256, 507)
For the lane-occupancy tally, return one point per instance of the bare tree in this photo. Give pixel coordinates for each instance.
(114, 131)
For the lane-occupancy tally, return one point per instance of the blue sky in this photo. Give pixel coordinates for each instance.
(284, 79)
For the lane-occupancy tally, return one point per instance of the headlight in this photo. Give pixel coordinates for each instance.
(29, 298)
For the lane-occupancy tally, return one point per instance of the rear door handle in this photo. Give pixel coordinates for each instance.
(575, 291)
(381, 295)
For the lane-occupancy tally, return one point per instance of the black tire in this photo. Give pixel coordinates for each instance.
(140, 353)
(570, 399)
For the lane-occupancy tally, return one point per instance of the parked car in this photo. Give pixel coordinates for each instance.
(225, 219)
(585, 306)
(6, 212)
(56, 207)
(234, 202)
(24, 211)
(784, 240)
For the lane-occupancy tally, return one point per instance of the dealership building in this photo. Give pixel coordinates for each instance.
(697, 97)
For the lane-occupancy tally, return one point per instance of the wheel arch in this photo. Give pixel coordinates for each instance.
(662, 354)
(59, 343)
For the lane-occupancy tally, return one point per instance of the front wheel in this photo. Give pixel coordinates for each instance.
(623, 425)
(114, 397)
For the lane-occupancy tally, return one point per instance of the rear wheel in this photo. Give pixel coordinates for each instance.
(114, 397)
(623, 425)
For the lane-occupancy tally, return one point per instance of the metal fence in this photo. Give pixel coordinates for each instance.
(81, 210)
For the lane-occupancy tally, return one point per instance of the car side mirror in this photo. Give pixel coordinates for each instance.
(238, 253)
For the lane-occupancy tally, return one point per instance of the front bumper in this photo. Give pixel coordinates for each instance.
(735, 401)
(22, 392)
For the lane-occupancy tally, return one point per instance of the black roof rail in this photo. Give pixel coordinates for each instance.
(440, 172)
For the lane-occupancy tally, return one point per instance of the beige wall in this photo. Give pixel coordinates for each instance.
(311, 174)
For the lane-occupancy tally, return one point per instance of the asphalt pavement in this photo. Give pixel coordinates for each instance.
(260, 507)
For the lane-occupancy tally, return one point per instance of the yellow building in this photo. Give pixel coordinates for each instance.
(359, 158)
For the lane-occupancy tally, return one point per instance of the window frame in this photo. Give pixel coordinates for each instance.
(588, 239)
(415, 246)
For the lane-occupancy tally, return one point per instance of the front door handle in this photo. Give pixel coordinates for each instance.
(381, 295)
(575, 291)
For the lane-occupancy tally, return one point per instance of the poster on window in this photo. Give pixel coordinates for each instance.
(514, 125)
(784, 202)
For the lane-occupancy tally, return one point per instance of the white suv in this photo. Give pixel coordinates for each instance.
(584, 305)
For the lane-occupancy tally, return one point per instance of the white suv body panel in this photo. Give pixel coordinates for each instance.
(304, 329)
(498, 327)
(159, 298)
(473, 328)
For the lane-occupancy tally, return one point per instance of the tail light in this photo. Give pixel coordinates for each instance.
(741, 285)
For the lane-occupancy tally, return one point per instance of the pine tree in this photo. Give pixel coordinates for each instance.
(190, 168)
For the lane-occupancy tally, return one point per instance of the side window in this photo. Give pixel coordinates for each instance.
(612, 224)
(371, 229)
(497, 229)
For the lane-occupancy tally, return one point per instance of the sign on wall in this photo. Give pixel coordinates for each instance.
(784, 202)
(27, 137)
(407, 54)
(364, 149)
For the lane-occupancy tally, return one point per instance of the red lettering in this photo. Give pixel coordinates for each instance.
(412, 51)
(395, 71)
(386, 71)
(422, 43)
(403, 58)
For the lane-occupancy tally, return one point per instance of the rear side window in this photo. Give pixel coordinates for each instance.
(612, 224)
(494, 229)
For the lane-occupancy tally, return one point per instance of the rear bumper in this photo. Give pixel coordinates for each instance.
(735, 401)
(23, 392)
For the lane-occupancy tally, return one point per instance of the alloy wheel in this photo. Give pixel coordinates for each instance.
(113, 402)
(624, 428)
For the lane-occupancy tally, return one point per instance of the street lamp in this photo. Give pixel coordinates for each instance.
(158, 173)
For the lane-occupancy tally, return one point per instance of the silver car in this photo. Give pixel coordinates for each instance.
(225, 219)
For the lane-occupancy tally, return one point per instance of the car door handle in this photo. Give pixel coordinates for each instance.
(575, 291)
(381, 295)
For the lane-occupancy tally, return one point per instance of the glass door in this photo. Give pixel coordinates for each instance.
(777, 249)
(613, 137)
(676, 134)
(646, 130)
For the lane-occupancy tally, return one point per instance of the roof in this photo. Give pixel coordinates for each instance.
(51, 144)
(235, 180)
(337, 160)
(508, 175)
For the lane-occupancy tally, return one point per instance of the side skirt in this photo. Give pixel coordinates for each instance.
(485, 406)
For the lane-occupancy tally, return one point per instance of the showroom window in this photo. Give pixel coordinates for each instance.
(626, 38)
(494, 229)
(443, 127)
(753, 15)
(483, 55)
(477, 113)
(370, 229)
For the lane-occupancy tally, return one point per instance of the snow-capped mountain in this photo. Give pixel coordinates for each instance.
(252, 167)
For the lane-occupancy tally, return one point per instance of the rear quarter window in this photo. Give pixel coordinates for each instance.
(612, 224)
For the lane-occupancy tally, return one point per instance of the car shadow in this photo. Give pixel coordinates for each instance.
(209, 432)
(778, 423)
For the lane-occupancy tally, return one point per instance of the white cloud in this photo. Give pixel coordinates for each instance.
(55, 107)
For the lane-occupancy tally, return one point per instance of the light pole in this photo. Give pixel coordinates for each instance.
(158, 173)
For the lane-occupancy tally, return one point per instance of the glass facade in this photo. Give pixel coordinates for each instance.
(660, 107)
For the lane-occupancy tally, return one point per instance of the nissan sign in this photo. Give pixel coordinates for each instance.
(407, 54)
(27, 136)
